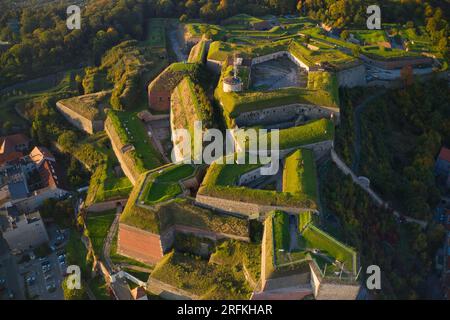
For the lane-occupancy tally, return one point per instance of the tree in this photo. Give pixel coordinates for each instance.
(407, 75)
(345, 34)
(183, 18)
(67, 140)
(74, 294)
(208, 11)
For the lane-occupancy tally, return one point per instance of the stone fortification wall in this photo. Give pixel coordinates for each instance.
(397, 63)
(82, 123)
(250, 210)
(352, 77)
(106, 205)
(283, 113)
(125, 162)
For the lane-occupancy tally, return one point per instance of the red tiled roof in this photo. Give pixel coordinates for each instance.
(51, 175)
(9, 143)
(10, 157)
(444, 154)
(38, 154)
(138, 293)
(8, 147)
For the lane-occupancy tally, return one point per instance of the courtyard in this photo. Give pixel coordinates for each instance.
(278, 73)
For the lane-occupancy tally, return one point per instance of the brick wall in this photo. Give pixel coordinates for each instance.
(139, 244)
(159, 100)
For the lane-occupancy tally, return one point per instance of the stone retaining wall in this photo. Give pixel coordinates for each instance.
(124, 164)
(250, 210)
(285, 113)
(396, 63)
(76, 119)
(106, 205)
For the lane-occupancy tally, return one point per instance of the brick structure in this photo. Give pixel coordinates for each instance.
(161, 88)
(139, 244)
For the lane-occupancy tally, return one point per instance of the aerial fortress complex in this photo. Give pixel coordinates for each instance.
(236, 232)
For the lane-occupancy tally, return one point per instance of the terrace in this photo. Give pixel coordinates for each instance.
(233, 181)
(165, 184)
(292, 247)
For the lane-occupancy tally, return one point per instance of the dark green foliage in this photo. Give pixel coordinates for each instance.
(281, 230)
(401, 136)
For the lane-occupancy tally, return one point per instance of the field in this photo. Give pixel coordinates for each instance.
(105, 184)
(324, 53)
(378, 52)
(299, 174)
(180, 211)
(164, 186)
(237, 103)
(98, 225)
(145, 155)
(281, 231)
(369, 37)
(197, 276)
(220, 181)
(312, 132)
(19, 98)
(316, 238)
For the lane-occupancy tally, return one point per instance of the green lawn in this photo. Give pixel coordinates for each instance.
(378, 52)
(325, 53)
(99, 288)
(369, 37)
(299, 174)
(317, 239)
(281, 231)
(104, 184)
(311, 132)
(98, 225)
(145, 155)
(165, 185)
(209, 281)
(220, 181)
(77, 253)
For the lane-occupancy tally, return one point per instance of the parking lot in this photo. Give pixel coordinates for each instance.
(28, 276)
(41, 278)
(10, 287)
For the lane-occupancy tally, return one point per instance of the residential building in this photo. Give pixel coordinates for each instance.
(12, 148)
(22, 231)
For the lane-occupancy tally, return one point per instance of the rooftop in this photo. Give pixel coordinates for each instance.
(38, 154)
(444, 154)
